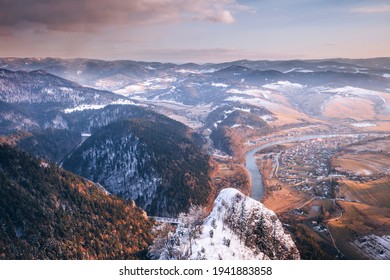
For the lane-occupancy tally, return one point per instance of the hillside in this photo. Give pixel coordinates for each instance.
(50, 144)
(39, 100)
(48, 213)
(156, 163)
(42, 87)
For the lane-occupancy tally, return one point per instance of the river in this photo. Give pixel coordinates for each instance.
(257, 187)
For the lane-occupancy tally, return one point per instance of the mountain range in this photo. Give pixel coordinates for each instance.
(155, 139)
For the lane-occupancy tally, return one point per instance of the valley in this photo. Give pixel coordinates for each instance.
(304, 181)
(307, 139)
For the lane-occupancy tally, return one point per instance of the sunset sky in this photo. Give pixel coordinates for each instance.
(195, 31)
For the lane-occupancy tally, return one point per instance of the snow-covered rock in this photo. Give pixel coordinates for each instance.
(237, 228)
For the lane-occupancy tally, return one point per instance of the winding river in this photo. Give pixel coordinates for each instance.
(257, 187)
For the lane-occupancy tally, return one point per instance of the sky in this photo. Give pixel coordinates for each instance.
(198, 31)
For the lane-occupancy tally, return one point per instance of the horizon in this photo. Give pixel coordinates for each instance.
(200, 64)
(179, 31)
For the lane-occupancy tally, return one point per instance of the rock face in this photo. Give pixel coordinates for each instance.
(155, 163)
(237, 228)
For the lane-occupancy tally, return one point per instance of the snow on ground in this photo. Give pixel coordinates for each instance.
(291, 70)
(220, 154)
(352, 90)
(160, 83)
(364, 124)
(84, 134)
(236, 109)
(216, 123)
(189, 71)
(386, 75)
(228, 112)
(67, 89)
(219, 85)
(241, 125)
(217, 239)
(363, 172)
(163, 80)
(374, 246)
(236, 250)
(84, 107)
(305, 71)
(252, 92)
(254, 101)
(267, 118)
(301, 70)
(131, 89)
(284, 85)
(123, 102)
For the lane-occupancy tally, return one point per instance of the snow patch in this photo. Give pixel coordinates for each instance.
(219, 85)
(123, 102)
(352, 90)
(130, 90)
(241, 125)
(300, 70)
(284, 85)
(255, 92)
(189, 71)
(254, 101)
(364, 124)
(44, 164)
(305, 71)
(83, 107)
(267, 118)
(67, 89)
(86, 134)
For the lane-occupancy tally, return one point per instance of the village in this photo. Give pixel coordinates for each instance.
(306, 165)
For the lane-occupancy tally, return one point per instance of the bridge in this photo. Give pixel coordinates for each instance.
(166, 220)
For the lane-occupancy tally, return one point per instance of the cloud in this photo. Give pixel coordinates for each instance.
(372, 9)
(93, 15)
(222, 16)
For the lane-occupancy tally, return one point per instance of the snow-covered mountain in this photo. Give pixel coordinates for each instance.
(39, 100)
(237, 228)
(38, 87)
(158, 164)
(294, 92)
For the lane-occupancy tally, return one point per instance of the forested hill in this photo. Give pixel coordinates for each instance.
(156, 164)
(49, 213)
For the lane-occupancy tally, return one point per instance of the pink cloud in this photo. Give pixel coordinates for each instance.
(372, 9)
(93, 15)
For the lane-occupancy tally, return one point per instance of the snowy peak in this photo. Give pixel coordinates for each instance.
(255, 228)
(237, 228)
